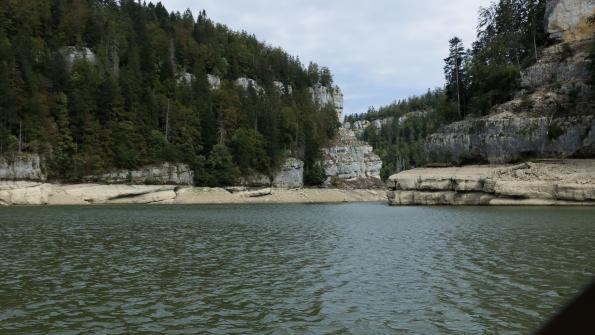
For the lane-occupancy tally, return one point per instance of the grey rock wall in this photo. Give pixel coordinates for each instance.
(566, 19)
(21, 167)
(508, 137)
(349, 159)
(162, 174)
(324, 96)
(291, 174)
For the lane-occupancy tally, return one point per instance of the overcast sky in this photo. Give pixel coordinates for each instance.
(378, 50)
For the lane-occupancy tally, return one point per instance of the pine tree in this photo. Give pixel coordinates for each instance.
(453, 70)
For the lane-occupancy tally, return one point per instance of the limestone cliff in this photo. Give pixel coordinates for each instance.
(553, 116)
(352, 163)
(567, 19)
(160, 174)
(71, 54)
(21, 167)
(290, 175)
(324, 96)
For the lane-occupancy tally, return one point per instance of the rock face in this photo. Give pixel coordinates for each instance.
(566, 19)
(72, 54)
(21, 167)
(214, 82)
(556, 120)
(282, 89)
(567, 182)
(508, 137)
(245, 83)
(349, 160)
(325, 96)
(291, 174)
(34, 193)
(31, 193)
(185, 78)
(565, 64)
(163, 174)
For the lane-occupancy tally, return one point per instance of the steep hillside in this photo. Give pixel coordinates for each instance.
(552, 114)
(95, 87)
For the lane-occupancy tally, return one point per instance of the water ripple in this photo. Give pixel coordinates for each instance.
(311, 269)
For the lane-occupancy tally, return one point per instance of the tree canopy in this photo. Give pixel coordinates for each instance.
(141, 95)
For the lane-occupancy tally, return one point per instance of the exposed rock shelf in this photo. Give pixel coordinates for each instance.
(34, 193)
(556, 182)
(160, 174)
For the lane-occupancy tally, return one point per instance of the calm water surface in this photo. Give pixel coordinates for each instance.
(289, 269)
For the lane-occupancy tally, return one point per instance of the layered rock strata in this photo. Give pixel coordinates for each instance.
(21, 167)
(161, 174)
(34, 193)
(350, 162)
(551, 118)
(563, 182)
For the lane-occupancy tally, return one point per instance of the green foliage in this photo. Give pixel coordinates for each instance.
(314, 175)
(249, 150)
(555, 130)
(510, 34)
(126, 107)
(221, 168)
(400, 141)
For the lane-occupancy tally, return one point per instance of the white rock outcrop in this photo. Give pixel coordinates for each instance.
(21, 167)
(282, 89)
(245, 83)
(31, 193)
(71, 54)
(565, 64)
(214, 82)
(567, 19)
(324, 96)
(566, 182)
(185, 78)
(291, 174)
(160, 174)
(349, 159)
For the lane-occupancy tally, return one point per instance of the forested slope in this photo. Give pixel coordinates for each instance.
(97, 85)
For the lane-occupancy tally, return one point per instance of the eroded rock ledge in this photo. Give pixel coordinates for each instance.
(545, 182)
(39, 193)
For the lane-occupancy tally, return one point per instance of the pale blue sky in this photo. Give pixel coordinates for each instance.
(378, 50)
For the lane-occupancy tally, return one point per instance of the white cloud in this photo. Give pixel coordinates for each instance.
(379, 50)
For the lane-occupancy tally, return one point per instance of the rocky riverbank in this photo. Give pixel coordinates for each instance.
(36, 193)
(543, 182)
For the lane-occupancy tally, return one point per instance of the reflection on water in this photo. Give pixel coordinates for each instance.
(353, 268)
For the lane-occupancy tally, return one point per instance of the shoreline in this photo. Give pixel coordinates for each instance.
(26, 193)
(567, 182)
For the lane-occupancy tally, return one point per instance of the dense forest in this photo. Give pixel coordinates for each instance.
(141, 94)
(510, 35)
(400, 140)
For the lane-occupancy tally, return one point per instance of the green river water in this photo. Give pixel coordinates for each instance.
(289, 269)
